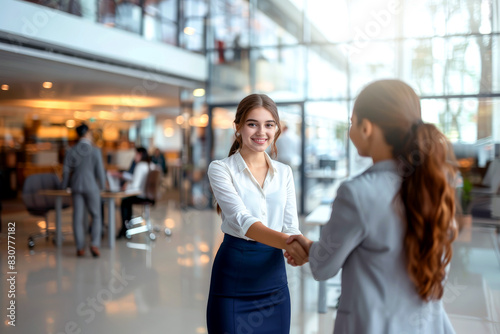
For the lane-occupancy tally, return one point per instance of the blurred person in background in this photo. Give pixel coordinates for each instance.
(83, 173)
(158, 159)
(289, 148)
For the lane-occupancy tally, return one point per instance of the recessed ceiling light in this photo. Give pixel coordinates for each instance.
(47, 85)
(5, 87)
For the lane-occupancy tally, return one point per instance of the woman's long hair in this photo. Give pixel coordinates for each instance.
(246, 105)
(427, 166)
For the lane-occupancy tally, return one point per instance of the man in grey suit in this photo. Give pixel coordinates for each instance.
(83, 172)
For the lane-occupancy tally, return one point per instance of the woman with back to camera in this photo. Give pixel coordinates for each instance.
(391, 228)
(256, 200)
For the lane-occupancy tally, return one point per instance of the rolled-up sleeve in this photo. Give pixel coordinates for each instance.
(339, 237)
(291, 220)
(233, 208)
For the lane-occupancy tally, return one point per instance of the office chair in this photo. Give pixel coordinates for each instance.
(152, 193)
(486, 198)
(40, 205)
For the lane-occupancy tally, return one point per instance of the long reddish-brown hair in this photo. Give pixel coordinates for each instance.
(245, 106)
(427, 166)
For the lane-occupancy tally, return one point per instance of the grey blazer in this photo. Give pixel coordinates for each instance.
(364, 237)
(83, 169)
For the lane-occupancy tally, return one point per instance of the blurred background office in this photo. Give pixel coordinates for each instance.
(168, 74)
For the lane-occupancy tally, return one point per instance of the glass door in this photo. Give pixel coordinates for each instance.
(326, 156)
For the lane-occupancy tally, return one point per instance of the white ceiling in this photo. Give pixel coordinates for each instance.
(81, 85)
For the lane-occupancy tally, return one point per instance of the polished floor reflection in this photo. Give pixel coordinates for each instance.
(161, 287)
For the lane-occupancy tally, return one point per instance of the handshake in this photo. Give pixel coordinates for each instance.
(297, 250)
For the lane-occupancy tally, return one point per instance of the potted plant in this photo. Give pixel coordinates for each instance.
(464, 216)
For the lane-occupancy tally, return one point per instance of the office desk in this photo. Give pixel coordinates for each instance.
(109, 197)
(320, 217)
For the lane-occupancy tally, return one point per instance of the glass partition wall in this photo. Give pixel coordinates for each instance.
(319, 54)
(313, 57)
(175, 22)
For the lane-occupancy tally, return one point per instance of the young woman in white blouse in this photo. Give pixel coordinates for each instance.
(256, 199)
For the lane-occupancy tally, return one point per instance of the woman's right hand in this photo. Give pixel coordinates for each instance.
(304, 243)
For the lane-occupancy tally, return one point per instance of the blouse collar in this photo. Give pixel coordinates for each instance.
(242, 164)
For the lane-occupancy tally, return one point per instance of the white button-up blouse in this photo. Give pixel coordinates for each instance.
(244, 202)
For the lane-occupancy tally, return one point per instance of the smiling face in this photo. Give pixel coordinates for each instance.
(258, 130)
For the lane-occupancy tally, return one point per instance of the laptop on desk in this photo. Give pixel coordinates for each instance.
(113, 183)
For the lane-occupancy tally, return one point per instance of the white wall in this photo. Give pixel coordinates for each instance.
(22, 21)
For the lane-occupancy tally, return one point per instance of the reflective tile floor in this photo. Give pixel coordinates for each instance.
(161, 286)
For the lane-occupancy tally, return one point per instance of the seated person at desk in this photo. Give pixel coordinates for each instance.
(83, 172)
(124, 176)
(136, 183)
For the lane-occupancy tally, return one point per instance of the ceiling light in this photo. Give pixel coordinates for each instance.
(199, 92)
(47, 85)
(168, 132)
(179, 119)
(5, 87)
(70, 123)
(189, 31)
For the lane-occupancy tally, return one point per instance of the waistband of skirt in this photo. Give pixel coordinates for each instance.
(229, 240)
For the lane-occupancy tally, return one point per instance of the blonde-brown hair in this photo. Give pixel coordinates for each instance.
(244, 108)
(426, 191)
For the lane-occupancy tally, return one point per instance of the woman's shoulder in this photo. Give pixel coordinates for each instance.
(281, 167)
(142, 166)
(369, 186)
(220, 165)
(221, 162)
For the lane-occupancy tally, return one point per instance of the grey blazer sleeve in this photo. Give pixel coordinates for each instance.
(339, 237)
(99, 169)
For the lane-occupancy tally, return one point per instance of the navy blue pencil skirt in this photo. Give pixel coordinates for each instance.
(248, 290)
